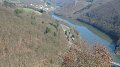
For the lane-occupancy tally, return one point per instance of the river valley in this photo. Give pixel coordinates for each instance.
(91, 35)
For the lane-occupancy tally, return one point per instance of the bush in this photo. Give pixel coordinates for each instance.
(33, 23)
(42, 22)
(18, 11)
(41, 11)
(47, 30)
(55, 34)
(55, 25)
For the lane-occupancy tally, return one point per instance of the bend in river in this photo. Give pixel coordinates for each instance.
(92, 35)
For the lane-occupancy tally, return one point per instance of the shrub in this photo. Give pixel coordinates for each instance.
(55, 25)
(47, 30)
(33, 23)
(18, 11)
(42, 22)
(41, 11)
(55, 34)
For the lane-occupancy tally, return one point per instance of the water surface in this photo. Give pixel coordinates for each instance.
(92, 35)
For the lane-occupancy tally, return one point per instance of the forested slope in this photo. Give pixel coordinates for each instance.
(106, 18)
(102, 14)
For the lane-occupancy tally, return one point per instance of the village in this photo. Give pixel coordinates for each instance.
(43, 5)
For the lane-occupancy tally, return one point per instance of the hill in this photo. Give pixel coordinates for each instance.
(103, 14)
(28, 39)
(106, 18)
(32, 39)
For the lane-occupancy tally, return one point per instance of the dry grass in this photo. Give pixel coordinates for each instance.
(23, 42)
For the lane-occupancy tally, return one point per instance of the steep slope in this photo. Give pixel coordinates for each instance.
(29, 39)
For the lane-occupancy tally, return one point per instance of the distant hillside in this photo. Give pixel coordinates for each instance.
(105, 17)
(78, 7)
(103, 14)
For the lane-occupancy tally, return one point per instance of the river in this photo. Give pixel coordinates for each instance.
(92, 35)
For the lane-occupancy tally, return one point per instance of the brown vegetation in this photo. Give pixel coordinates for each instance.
(23, 42)
(31, 40)
(96, 56)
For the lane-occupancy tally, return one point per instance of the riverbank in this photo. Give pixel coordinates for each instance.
(90, 27)
(113, 37)
(102, 18)
(93, 35)
(81, 47)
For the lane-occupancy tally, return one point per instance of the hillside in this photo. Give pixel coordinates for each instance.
(32, 39)
(29, 39)
(106, 18)
(103, 14)
(78, 7)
